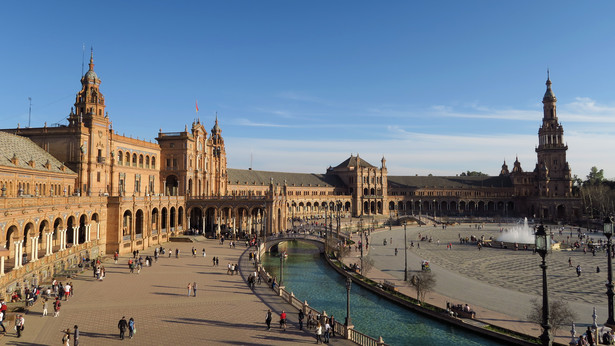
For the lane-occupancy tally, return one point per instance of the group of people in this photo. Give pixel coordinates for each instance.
(192, 286)
(232, 269)
(123, 325)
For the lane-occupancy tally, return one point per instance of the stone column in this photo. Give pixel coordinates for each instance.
(48, 249)
(97, 230)
(87, 233)
(63, 239)
(1, 265)
(20, 259)
(16, 244)
(34, 241)
(75, 235)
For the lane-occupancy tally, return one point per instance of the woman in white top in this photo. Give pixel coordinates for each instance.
(318, 333)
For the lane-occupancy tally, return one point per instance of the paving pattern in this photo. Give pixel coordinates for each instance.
(225, 310)
(499, 283)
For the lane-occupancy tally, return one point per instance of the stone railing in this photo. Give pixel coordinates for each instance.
(340, 329)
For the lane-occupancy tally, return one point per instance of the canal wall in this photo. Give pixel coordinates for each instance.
(434, 313)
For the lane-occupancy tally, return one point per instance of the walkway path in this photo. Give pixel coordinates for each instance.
(498, 284)
(225, 310)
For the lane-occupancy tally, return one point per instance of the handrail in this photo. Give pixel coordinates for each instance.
(339, 328)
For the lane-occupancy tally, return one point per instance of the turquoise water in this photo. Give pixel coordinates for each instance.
(310, 278)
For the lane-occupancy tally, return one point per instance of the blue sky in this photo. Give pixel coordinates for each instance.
(436, 87)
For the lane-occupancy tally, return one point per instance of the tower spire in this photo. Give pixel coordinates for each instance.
(91, 58)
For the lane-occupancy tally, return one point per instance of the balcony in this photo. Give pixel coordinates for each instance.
(101, 159)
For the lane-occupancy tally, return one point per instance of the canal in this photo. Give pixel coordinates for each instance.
(310, 278)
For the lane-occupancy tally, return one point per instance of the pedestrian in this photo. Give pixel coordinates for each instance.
(217, 261)
(268, 319)
(332, 323)
(76, 336)
(578, 270)
(570, 261)
(19, 325)
(115, 257)
(327, 332)
(56, 307)
(45, 307)
(122, 325)
(2, 322)
(301, 317)
(176, 253)
(189, 288)
(194, 288)
(213, 260)
(204, 254)
(283, 320)
(66, 337)
(131, 327)
(318, 333)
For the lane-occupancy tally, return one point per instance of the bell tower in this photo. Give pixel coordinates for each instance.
(553, 170)
(89, 103)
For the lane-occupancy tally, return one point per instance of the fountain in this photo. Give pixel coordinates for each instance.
(521, 234)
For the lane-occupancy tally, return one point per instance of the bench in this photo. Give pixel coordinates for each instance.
(389, 286)
(460, 312)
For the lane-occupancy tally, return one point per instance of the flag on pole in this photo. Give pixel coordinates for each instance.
(197, 105)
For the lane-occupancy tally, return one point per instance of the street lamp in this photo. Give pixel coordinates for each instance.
(543, 245)
(348, 286)
(608, 232)
(405, 254)
(281, 269)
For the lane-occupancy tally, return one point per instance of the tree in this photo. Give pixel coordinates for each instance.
(368, 264)
(423, 282)
(595, 176)
(473, 174)
(559, 314)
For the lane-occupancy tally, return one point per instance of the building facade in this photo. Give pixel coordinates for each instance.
(80, 190)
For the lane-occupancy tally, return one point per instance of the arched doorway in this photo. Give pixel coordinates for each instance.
(171, 186)
(139, 223)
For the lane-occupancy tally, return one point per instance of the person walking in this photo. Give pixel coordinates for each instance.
(56, 307)
(268, 319)
(66, 337)
(45, 307)
(75, 336)
(327, 332)
(2, 322)
(19, 324)
(131, 327)
(122, 325)
(194, 288)
(301, 317)
(332, 324)
(189, 288)
(319, 333)
(283, 320)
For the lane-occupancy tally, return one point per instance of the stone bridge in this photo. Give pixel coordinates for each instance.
(273, 241)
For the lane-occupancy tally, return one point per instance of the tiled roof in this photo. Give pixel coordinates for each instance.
(354, 161)
(25, 150)
(448, 182)
(251, 177)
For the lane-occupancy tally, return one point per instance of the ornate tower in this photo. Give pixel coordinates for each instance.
(216, 175)
(89, 103)
(553, 178)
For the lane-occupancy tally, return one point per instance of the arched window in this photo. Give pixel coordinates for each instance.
(147, 162)
(134, 160)
(153, 162)
(141, 161)
(120, 157)
(127, 159)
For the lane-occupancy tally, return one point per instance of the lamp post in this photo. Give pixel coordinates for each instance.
(543, 245)
(281, 269)
(348, 286)
(405, 254)
(608, 232)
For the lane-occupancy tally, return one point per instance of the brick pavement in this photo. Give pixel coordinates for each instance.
(225, 310)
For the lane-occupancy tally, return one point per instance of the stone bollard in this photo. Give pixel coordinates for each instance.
(305, 307)
(380, 341)
(290, 298)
